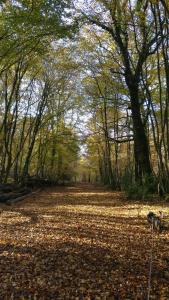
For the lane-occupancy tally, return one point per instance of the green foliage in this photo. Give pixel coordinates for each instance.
(30, 27)
(136, 191)
(140, 191)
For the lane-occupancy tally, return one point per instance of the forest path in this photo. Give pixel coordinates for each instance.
(81, 242)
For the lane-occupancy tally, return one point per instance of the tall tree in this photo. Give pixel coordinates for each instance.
(130, 26)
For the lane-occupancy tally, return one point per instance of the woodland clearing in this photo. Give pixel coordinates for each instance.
(82, 242)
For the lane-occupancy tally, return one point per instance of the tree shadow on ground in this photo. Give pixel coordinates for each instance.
(50, 250)
(69, 270)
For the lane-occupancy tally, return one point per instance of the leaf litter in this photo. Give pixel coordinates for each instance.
(81, 243)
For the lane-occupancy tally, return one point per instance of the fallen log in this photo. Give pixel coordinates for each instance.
(14, 200)
(8, 188)
(14, 194)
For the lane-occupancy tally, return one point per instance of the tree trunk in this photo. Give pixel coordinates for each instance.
(141, 147)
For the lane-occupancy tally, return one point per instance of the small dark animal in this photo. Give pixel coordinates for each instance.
(155, 221)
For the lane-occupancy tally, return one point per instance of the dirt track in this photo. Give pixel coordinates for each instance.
(81, 243)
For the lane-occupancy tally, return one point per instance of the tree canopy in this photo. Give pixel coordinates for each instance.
(85, 82)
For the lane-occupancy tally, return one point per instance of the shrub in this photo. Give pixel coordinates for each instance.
(141, 190)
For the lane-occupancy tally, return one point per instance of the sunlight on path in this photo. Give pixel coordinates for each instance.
(80, 242)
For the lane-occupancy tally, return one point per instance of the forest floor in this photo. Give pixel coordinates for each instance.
(82, 243)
